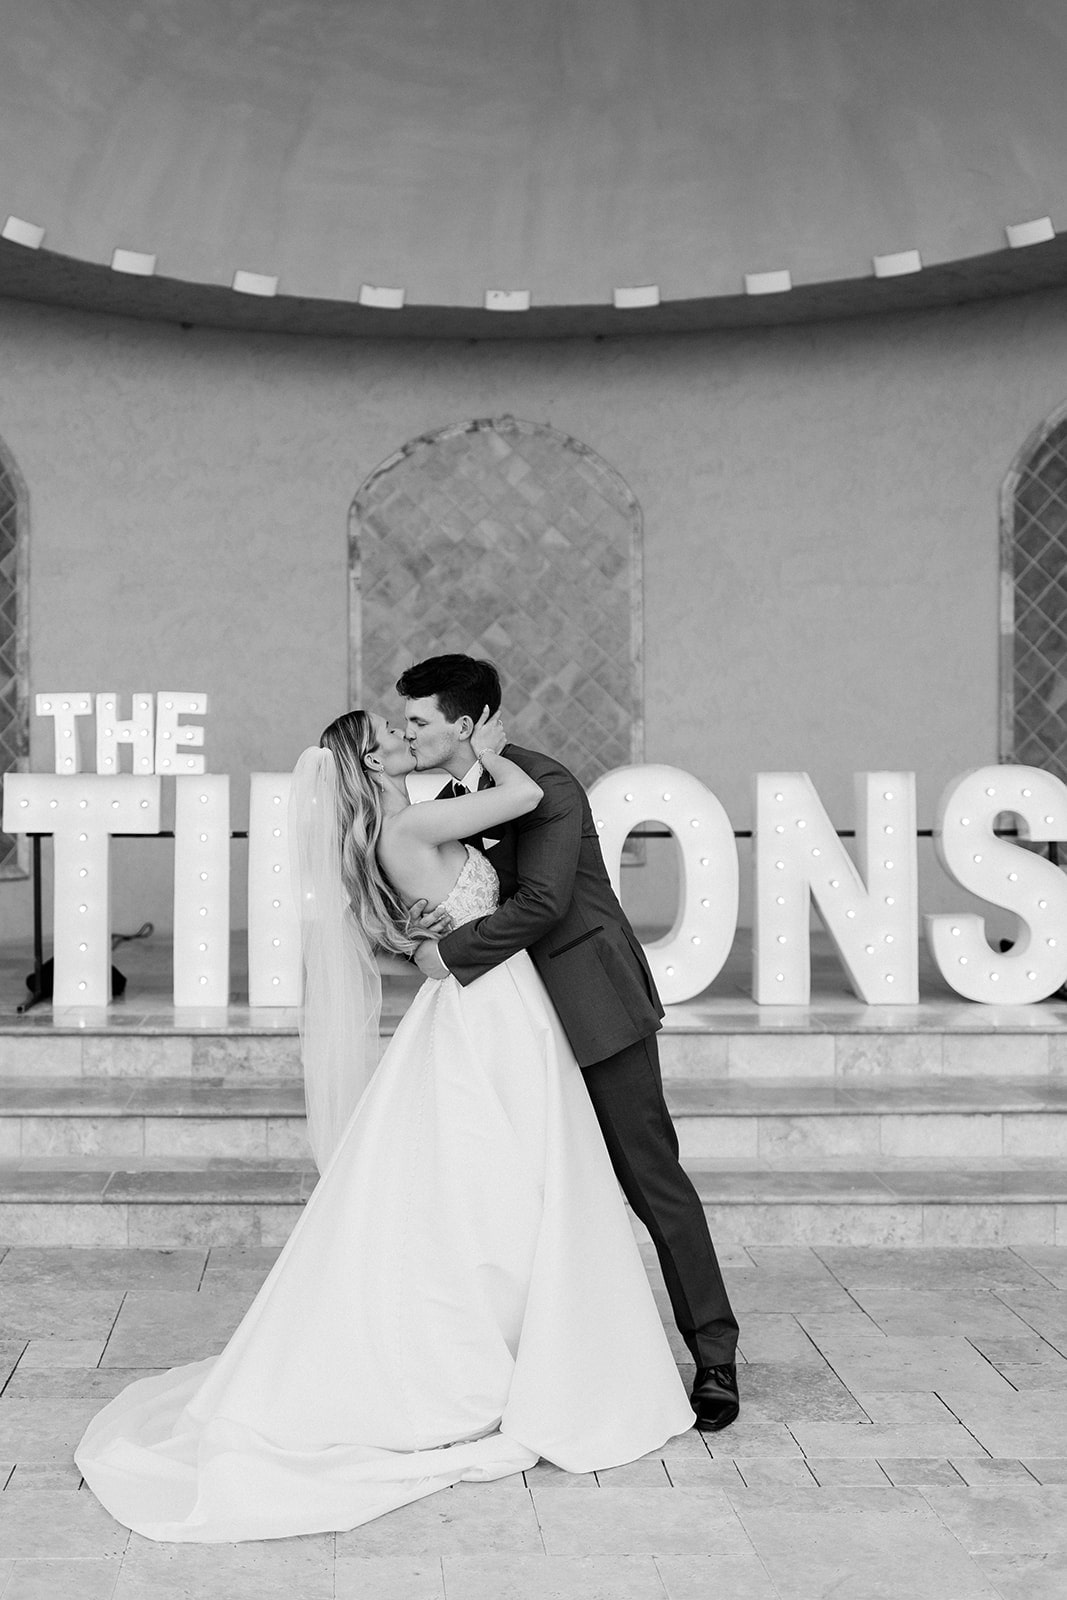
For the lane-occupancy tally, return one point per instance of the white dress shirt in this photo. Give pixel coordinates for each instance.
(470, 778)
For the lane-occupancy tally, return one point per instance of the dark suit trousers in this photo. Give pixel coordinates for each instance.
(627, 1095)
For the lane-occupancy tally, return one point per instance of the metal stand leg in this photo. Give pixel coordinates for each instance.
(38, 929)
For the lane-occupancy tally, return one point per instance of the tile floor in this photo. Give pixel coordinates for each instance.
(904, 1434)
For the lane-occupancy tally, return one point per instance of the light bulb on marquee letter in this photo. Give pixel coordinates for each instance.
(138, 732)
(81, 813)
(202, 891)
(999, 871)
(65, 708)
(275, 973)
(691, 955)
(872, 919)
(171, 705)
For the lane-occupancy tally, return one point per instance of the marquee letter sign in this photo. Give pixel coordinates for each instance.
(172, 705)
(872, 919)
(1005, 875)
(868, 904)
(138, 732)
(66, 707)
(81, 814)
(692, 954)
(202, 891)
(153, 751)
(275, 975)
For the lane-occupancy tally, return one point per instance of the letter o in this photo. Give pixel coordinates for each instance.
(692, 954)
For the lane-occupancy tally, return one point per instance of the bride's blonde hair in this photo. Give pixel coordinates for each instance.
(375, 903)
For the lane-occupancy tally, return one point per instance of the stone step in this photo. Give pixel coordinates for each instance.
(867, 1042)
(759, 1120)
(93, 1201)
(864, 1043)
(49, 1051)
(199, 1118)
(781, 1120)
(902, 1202)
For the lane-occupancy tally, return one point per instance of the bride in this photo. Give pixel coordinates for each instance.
(462, 1293)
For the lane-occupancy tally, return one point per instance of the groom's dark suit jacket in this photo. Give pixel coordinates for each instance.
(557, 902)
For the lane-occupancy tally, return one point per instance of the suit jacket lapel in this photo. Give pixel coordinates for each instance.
(484, 782)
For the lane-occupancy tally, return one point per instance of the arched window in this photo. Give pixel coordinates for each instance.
(506, 539)
(14, 686)
(1033, 676)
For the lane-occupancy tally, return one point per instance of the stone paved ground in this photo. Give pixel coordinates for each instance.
(904, 1434)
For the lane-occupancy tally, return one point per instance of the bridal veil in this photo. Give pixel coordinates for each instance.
(342, 984)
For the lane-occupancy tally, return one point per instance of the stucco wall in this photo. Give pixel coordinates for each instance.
(820, 528)
(453, 146)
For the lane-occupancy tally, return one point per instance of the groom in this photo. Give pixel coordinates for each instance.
(558, 904)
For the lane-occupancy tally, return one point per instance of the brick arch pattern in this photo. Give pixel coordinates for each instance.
(506, 539)
(14, 661)
(1033, 522)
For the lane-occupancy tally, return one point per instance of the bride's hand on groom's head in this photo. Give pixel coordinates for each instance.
(488, 736)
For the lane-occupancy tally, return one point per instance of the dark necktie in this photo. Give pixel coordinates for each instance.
(457, 790)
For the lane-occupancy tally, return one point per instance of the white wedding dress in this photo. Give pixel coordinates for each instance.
(461, 1296)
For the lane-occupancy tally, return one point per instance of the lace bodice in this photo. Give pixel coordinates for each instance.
(475, 892)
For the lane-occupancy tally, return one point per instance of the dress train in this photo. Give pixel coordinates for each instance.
(462, 1295)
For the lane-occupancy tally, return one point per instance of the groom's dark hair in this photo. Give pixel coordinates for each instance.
(462, 685)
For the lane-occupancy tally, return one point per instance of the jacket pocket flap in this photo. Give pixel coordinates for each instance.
(582, 937)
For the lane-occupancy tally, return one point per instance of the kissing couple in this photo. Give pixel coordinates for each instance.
(463, 1293)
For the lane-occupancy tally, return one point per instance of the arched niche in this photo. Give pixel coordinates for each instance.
(506, 539)
(14, 653)
(1033, 621)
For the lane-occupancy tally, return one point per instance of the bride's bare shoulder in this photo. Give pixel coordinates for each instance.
(392, 829)
(401, 833)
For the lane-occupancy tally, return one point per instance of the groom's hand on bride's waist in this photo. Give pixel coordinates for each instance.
(427, 958)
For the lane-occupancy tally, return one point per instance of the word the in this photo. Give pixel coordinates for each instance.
(154, 731)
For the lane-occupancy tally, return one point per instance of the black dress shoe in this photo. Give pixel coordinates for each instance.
(714, 1397)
